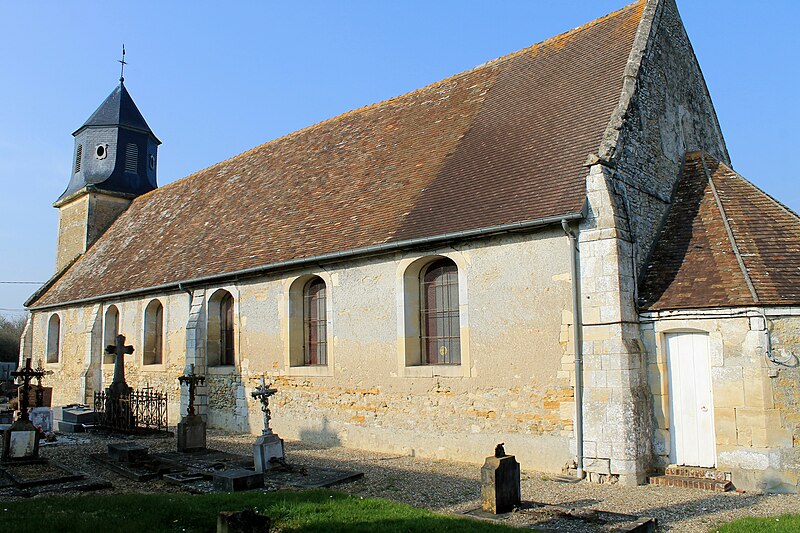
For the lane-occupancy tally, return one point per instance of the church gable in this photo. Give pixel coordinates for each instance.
(500, 145)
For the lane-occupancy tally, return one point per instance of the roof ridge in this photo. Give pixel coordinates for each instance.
(454, 77)
(729, 231)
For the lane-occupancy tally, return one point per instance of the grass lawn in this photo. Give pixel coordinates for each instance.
(318, 510)
(776, 524)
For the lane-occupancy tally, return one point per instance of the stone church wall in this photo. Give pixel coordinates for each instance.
(513, 385)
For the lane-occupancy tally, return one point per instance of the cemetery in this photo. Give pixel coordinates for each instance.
(122, 445)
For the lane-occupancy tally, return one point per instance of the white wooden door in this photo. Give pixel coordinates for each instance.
(691, 406)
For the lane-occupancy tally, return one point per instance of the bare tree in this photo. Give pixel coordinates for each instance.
(10, 333)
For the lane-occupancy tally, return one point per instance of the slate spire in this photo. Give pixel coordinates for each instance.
(115, 150)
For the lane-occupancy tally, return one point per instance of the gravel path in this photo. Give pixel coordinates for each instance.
(453, 487)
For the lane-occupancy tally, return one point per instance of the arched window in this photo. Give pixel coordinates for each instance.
(110, 332)
(53, 339)
(154, 333)
(315, 331)
(439, 320)
(221, 345)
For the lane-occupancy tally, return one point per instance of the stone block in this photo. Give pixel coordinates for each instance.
(725, 426)
(757, 390)
(500, 484)
(238, 480)
(728, 387)
(266, 448)
(598, 466)
(657, 379)
(191, 434)
(596, 333)
(126, 452)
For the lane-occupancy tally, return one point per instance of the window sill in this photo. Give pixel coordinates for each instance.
(310, 370)
(432, 371)
(222, 370)
(153, 367)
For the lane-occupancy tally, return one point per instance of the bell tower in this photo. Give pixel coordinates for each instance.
(114, 161)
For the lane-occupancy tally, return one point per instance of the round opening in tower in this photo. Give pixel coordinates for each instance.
(101, 151)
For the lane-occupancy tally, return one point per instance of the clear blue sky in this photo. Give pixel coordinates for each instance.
(214, 79)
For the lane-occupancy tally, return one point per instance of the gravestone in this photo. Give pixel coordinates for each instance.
(42, 418)
(192, 427)
(500, 483)
(268, 448)
(127, 452)
(116, 403)
(21, 440)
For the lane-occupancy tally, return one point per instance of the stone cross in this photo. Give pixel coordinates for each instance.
(26, 374)
(262, 394)
(120, 351)
(192, 380)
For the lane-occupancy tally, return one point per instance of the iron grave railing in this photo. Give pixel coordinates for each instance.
(141, 409)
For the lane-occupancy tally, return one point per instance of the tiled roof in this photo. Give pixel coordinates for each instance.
(500, 144)
(716, 215)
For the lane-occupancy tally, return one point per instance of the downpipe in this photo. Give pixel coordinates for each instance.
(577, 342)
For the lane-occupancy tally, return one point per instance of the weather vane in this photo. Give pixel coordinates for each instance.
(122, 69)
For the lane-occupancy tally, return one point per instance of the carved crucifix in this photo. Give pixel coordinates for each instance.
(119, 350)
(262, 394)
(192, 380)
(26, 374)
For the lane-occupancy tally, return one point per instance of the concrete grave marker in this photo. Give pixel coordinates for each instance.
(500, 482)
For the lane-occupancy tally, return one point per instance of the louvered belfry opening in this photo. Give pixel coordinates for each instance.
(78, 156)
(131, 157)
(441, 331)
(315, 349)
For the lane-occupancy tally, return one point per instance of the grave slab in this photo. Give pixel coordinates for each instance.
(238, 480)
(144, 470)
(43, 473)
(127, 452)
(69, 427)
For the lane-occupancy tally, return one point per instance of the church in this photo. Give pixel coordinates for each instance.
(551, 250)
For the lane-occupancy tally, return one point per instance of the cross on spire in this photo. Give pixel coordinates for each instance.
(123, 62)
